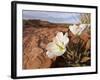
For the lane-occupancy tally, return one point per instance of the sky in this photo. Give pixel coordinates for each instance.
(54, 17)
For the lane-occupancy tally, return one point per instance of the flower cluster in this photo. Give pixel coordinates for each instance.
(60, 42)
(77, 30)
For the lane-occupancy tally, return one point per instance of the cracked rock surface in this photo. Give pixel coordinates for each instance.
(36, 36)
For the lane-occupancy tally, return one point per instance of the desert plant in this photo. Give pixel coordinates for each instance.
(77, 54)
(85, 18)
(78, 49)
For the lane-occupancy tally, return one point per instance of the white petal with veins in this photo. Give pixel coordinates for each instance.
(49, 54)
(58, 46)
(77, 30)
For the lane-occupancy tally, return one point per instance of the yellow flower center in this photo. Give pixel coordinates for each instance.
(60, 47)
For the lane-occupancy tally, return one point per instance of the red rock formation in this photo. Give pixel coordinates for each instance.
(35, 39)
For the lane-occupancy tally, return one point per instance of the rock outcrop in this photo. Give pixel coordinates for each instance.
(36, 35)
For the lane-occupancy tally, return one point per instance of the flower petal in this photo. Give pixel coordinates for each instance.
(61, 39)
(49, 54)
(60, 53)
(52, 47)
(58, 46)
(66, 34)
(81, 28)
(59, 36)
(65, 39)
(74, 29)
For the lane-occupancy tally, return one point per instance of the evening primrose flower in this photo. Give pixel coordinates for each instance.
(58, 46)
(77, 30)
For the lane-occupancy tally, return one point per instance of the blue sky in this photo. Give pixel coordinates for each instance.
(54, 17)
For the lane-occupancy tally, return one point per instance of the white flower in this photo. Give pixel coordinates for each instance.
(77, 30)
(58, 46)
